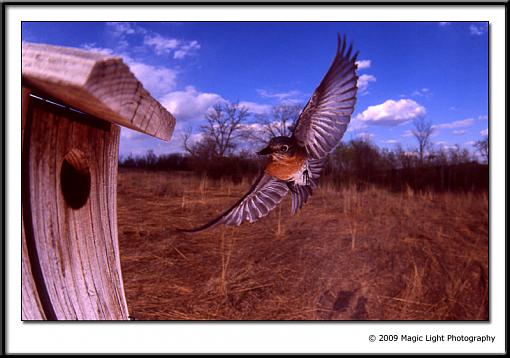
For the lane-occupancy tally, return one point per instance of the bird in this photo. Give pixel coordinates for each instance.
(295, 162)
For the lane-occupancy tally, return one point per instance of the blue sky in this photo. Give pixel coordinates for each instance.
(436, 70)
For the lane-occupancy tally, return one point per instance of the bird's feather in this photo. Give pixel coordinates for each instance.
(265, 194)
(322, 123)
(301, 193)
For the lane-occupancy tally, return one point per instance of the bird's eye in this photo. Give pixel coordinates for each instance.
(285, 148)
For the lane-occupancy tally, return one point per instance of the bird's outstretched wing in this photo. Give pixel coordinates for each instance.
(324, 119)
(265, 194)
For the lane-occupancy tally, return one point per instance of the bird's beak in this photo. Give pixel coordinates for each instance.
(265, 151)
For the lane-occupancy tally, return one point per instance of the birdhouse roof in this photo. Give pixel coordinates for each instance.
(97, 84)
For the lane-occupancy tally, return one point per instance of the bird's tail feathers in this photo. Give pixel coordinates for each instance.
(200, 228)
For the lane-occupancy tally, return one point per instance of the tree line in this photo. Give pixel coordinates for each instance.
(226, 143)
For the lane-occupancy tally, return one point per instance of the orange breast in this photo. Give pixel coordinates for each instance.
(285, 168)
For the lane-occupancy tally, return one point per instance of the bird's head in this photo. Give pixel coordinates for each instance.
(279, 146)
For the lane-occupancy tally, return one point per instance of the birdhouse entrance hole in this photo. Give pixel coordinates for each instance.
(75, 179)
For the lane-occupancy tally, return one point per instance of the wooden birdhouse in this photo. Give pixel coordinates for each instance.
(74, 103)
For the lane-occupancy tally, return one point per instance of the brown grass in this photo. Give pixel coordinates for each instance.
(348, 255)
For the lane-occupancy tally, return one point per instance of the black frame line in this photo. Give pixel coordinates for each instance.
(132, 318)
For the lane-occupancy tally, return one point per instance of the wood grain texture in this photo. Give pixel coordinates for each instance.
(97, 84)
(77, 249)
(31, 308)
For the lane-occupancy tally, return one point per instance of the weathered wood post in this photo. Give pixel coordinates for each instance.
(73, 103)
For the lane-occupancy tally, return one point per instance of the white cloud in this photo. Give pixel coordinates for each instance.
(444, 23)
(280, 96)
(119, 29)
(256, 108)
(355, 126)
(194, 137)
(166, 45)
(254, 126)
(478, 29)
(129, 134)
(423, 92)
(93, 48)
(485, 132)
(190, 104)
(363, 64)
(156, 79)
(254, 132)
(408, 133)
(364, 81)
(483, 117)
(186, 49)
(456, 124)
(161, 44)
(390, 141)
(444, 145)
(391, 113)
(459, 132)
(366, 136)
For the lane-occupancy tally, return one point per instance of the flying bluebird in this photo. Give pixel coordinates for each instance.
(295, 162)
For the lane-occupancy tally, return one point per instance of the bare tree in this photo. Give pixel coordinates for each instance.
(284, 117)
(422, 131)
(203, 148)
(483, 148)
(457, 155)
(186, 140)
(224, 127)
(279, 123)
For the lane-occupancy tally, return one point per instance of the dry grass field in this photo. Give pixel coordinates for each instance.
(348, 255)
